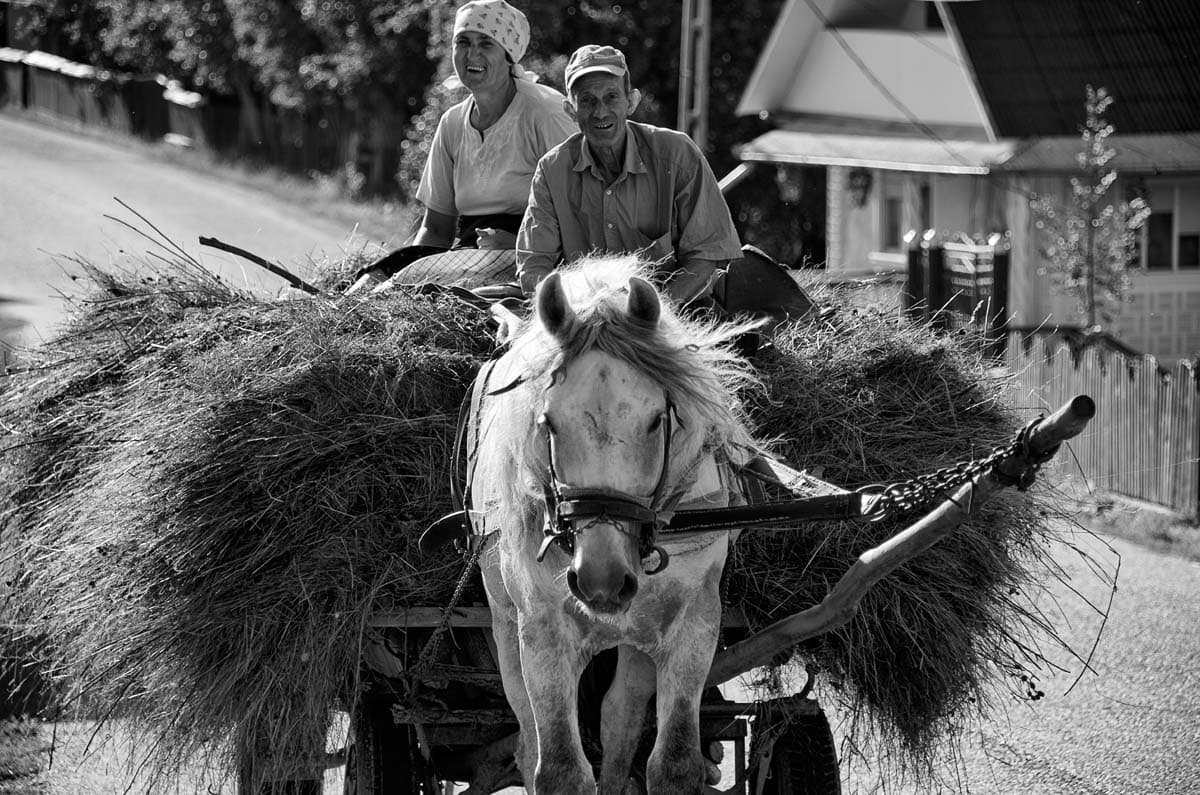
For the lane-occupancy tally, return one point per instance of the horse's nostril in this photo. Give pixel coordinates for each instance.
(605, 596)
(628, 589)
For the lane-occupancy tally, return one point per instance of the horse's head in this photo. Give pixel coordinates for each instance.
(607, 424)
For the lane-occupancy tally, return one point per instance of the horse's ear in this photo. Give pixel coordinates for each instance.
(553, 309)
(507, 320)
(644, 304)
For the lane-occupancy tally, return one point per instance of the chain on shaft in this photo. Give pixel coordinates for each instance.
(925, 491)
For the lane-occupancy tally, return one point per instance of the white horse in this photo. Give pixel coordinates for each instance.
(608, 412)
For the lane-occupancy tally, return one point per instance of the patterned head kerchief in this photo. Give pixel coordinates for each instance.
(497, 19)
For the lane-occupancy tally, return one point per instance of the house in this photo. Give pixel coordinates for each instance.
(949, 115)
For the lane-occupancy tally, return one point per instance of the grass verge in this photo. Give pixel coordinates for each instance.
(1141, 523)
(22, 756)
(388, 222)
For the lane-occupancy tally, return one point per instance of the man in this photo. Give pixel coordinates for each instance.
(624, 186)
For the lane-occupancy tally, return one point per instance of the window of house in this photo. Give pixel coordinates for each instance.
(904, 206)
(1158, 241)
(1189, 252)
(893, 220)
(1170, 240)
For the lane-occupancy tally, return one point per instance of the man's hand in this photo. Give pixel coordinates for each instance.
(496, 239)
(693, 279)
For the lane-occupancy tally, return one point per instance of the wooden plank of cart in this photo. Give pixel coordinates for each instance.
(421, 723)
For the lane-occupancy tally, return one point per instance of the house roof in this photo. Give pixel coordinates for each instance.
(854, 91)
(900, 153)
(819, 61)
(1135, 154)
(1033, 59)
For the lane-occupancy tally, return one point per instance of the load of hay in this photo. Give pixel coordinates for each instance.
(864, 397)
(206, 494)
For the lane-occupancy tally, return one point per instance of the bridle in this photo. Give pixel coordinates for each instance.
(568, 505)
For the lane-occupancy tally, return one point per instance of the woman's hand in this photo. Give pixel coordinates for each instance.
(496, 239)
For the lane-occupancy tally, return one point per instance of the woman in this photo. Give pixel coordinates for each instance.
(476, 180)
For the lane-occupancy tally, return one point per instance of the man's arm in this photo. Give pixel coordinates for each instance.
(539, 242)
(706, 230)
(692, 279)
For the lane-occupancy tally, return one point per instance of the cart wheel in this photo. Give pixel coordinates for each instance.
(380, 755)
(804, 759)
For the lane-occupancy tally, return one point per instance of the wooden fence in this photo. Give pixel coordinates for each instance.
(325, 140)
(1145, 439)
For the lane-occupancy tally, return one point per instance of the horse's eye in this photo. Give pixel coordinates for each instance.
(656, 423)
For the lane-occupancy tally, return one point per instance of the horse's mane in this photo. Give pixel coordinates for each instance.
(692, 359)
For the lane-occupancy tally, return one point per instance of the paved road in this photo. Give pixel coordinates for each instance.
(1130, 727)
(56, 188)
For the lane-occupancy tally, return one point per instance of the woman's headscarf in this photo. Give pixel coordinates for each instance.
(505, 24)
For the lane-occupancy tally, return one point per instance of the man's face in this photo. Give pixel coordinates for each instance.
(601, 106)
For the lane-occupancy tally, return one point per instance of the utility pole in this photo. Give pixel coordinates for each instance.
(695, 36)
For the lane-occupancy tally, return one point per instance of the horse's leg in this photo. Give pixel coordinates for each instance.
(676, 764)
(508, 657)
(623, 716)
(508, 653)
(552, 660)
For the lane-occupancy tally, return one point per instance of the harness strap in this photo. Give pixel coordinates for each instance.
(457, 524)
(831, 506)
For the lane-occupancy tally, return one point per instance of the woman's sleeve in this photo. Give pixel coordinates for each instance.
(436, 190)
(552, 127)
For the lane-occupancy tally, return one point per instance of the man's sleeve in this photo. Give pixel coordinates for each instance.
(436, 190)
(539, 242)
(706, 228)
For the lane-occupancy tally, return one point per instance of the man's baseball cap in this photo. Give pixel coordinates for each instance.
(594, 58)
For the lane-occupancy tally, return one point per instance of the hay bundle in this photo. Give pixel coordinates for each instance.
(862, 398)
(208, 495)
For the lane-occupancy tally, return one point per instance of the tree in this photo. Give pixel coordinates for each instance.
(1089, 247)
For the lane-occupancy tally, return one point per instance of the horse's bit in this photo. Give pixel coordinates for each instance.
(565, 504)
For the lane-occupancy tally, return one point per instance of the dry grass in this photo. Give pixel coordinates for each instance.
(863, 397)
(207, 494)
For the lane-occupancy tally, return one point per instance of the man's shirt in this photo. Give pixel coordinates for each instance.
(665, 203)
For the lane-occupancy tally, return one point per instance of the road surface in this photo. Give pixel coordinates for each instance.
(56, 189)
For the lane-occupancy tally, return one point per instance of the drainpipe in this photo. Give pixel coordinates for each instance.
(694, 46)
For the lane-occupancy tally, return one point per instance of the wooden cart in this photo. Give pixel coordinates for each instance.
(423, 719)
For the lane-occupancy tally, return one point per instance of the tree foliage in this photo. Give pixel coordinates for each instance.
(384, 59)
(1089, 246)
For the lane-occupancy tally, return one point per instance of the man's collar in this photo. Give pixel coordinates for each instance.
(634, 162)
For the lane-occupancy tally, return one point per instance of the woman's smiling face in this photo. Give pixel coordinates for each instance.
(479, 60)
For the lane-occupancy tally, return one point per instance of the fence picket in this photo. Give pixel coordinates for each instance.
(1146, 441)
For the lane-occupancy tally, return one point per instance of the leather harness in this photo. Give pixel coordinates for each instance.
(565, 505)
